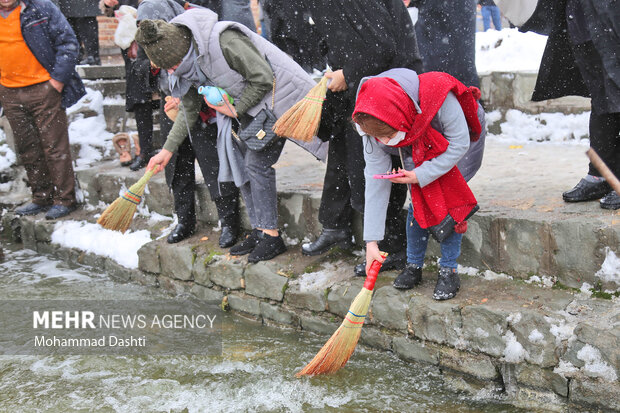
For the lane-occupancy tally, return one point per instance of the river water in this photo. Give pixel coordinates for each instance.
(254, 373)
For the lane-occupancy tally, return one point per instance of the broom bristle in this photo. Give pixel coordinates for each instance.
(341, 345)
(119, 214)
(302, 120)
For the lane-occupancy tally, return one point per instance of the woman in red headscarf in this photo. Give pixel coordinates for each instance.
(429, 120)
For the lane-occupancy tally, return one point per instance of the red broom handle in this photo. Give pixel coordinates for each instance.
(373, 272)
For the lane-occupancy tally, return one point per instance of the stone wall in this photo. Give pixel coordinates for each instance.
(519, 342)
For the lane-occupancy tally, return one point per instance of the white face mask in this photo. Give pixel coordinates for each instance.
(400, 135)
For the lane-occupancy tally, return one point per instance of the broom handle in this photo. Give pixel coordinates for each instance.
(604, 170)
(373, 272)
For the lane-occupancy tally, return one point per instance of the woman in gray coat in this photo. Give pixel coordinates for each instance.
(198, 50)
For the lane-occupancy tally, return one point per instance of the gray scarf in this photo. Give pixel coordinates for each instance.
(188, 74)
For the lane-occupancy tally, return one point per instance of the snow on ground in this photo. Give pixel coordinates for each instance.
(89, 132)
(508, 50)
(320, 280)
(595, 365)
(7, 156)
(520, 127)
(610, 270)
(92, 238)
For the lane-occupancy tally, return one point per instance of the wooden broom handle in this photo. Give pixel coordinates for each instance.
(604, 170)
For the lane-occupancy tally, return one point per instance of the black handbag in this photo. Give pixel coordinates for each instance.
(445, 228)
(258, 134)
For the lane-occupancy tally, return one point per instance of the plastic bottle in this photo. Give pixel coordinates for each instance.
(215, 95)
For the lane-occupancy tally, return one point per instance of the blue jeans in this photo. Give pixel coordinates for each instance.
(488, 13)
(417, 240)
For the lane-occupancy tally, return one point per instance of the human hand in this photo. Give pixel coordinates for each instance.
(338, 82)
(171, 103)
(110, 3)
(409, 178)
(372, 254)
(57, 85)
(159, 161)
(225, 109)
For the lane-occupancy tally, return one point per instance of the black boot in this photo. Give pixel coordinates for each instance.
(228, 237)
(409, 277)
(140, 162)
(267, 248)
(248, 244)
(611, 201)
(329, 238)
(179, 233)
(586, 191)
(395, 261)
(448, 283)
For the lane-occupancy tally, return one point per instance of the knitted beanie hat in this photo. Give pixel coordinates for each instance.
(383, 98)
(165, 44)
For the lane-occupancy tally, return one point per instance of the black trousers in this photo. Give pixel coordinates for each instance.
(144, 122)
(181, 176)
(87, 32)
(605, 115)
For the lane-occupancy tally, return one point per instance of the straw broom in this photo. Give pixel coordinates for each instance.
(340, 346)
(119, 214)
(301, 122)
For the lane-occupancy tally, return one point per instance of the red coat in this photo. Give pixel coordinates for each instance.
(384, 99)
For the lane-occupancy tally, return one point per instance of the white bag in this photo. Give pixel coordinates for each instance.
(127, 26)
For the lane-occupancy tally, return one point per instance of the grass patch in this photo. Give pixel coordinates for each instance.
(559, 286)
(209, 258)
(312, 268)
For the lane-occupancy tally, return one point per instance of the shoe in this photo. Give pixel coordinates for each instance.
(328, 239)
(448, 283)
(267, 248)
(122, 144)
(611, 201)
(91, 60)
(228, 237)
(139, 163)
(59, 211)
(586, 191)
(409, 277)
(248, 244)
(395, 261)
(179, 233)
(31, 209)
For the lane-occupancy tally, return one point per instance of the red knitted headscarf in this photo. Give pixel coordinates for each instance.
(384, 99)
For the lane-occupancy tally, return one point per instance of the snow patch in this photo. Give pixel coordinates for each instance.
(490, 275)
(564, 368)
(508, 50)
(595, 366)
(92, 238)
(514, 351)
(537, 337)
(326, 277)
(561, 329)
(545, 127)
(514, 318)
(610, 270)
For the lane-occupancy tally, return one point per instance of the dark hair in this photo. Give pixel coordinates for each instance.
(372, 125)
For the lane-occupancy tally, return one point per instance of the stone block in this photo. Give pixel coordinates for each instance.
(116, 270)
(43, 231)
(177, 260)
(262, 280)
(205, 293)
(174, 286)
(101, 72)
(483, 328)
(595, 392)
(159, 199)
(27, 233)
(245, 304)
(206, 211)
(226, 273)
(436, 321)
(148, 258)
(319, 325)
(534, 334)
(375, 338)
(571, 235)
(538, 400)
(47, 248)
(415, 351)
(200, 272)
(534, 376)
(97, 262)
(142, 278)
(313, 300)
(389, 308)
(605, 338)
(476, 365)
(278, 314)
(342, 295)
